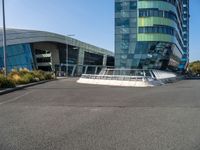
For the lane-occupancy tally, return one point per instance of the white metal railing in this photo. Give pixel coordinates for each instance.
(130, 75)
(115, 77)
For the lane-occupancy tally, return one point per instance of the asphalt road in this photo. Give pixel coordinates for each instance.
(64, 115)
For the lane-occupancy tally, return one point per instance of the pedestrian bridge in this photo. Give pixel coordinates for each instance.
(129, 77)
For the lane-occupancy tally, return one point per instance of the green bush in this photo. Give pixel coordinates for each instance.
(1, 72)
(23, 71)
(6, 83)
(26, 78)
(48, 76)
(194, 67)
(39, 74)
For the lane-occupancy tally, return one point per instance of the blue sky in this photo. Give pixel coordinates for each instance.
(91, 21)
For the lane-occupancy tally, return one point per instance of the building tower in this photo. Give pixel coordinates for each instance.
(152, 34)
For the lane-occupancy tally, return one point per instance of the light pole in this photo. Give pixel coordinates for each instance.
(4, 39)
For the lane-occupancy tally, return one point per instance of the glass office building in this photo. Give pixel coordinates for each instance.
(152, 34)
(52, 52)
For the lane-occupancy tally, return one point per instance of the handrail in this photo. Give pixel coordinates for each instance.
(114, 77)
(130, 74)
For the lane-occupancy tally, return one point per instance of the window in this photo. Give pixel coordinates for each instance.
(158, 29)
(124, 22)
(173, 2)
(118, 6)
(152, 12)
(133, 5)
(44, 60)
(125, 37)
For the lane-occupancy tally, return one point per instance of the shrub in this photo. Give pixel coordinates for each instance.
(22, 76)
(26, 78)
(39, 74)
(23, 71)
(14, 75)
(6, 83)
(1, 72)
(48, 76)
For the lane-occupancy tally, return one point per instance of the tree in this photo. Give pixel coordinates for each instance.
(194, 67)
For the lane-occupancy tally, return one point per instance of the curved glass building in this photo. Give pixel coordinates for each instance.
(152, 34)
(48, 51)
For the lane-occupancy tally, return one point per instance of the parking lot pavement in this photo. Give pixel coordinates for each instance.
(65, 115)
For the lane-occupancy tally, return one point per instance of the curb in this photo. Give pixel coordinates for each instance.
(6, 91)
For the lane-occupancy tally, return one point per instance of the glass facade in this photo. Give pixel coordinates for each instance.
(185, 28)
(18, 56)
(151, 34)
(158, 29)
(152, 12)
(93, 59)
(110, 61)
(125, 32)
(71, 55)
(156, 55)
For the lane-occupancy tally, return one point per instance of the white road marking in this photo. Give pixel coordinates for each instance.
(16, 98)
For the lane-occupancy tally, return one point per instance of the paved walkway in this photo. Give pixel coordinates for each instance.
(65, 115)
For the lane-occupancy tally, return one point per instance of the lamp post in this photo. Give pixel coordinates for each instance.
(4, 40)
